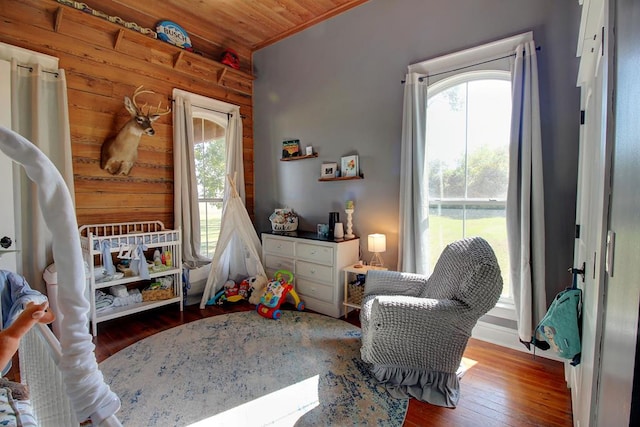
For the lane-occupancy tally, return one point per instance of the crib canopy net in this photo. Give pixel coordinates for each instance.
(88, 394)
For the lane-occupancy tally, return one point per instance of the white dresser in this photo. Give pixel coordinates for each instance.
(316, 265)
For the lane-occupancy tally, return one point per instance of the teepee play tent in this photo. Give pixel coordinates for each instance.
(237, 254)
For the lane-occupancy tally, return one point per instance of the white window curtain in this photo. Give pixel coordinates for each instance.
(186, 210)
(413, 244)
(39, 112)
(525, 204)
(525, 194)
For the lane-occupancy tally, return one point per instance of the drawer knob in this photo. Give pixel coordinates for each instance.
(313, 271)
(6, 242)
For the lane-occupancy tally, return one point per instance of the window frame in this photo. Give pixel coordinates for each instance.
(460, 67)
(202, 114)
(434, 90)
(194, 104)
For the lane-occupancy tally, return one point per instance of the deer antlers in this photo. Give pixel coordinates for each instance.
(118, 154)
(157, 111)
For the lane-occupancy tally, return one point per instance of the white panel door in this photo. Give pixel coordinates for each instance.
(7, 215)
(591, 209)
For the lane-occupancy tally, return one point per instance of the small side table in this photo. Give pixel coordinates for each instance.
(362, 269)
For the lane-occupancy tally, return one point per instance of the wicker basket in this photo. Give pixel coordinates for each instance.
(156, 294)
(356, 292)
(284, 220)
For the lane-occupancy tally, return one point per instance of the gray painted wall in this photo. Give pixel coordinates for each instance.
(336, 86)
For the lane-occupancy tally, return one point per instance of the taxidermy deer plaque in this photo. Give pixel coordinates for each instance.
(118, 154)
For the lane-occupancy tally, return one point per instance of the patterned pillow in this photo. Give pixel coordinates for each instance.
(15, 413)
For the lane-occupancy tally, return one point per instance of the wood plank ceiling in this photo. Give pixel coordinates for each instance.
(242, 25)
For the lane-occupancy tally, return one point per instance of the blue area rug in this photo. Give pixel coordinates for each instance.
(241, 369)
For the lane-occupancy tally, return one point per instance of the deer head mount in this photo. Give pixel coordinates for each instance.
(119, 154)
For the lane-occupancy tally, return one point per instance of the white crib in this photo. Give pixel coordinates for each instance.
(40, 355)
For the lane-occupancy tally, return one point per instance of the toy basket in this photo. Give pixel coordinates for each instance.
(284, 220)
(159, 290)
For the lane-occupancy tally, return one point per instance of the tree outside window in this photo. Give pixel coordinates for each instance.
(468, 120)
(209, 155)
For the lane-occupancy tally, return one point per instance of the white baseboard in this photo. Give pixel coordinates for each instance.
(506, 337)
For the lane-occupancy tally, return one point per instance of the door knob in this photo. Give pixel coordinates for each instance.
(5, 242)
(580, 271)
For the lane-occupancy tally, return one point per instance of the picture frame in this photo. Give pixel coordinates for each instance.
(329, 170)
(349, 165)
(291, 148)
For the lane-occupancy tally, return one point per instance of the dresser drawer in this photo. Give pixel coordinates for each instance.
(315, 272)
(315, 290)
(315, 253)
(279, 247)
(274, 262)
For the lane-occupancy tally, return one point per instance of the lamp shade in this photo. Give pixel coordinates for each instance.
(377, 243)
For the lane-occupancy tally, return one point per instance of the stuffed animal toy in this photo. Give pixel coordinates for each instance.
(10, 337)
(257, 287)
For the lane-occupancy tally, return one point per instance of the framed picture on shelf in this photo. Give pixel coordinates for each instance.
(349, 165)
(329, 170)
(291, 148)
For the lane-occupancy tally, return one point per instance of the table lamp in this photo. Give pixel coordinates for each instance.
(377, 243)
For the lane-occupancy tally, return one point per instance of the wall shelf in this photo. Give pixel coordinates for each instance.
(288, 159)
(341, 178)
(74, 23)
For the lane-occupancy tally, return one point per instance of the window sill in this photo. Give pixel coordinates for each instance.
(504, 309)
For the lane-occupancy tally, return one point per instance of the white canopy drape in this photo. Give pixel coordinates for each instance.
(238, 251)
(84, 384)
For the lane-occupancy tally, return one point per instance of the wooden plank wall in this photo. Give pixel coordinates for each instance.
(104, 62)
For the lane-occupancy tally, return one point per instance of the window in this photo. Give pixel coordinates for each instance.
(209, 156)
(468, 158)
(207, 147)
(456, 153)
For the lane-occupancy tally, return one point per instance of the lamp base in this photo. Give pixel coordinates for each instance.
(376, 260)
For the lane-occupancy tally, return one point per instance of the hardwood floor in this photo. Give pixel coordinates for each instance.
(504, 387)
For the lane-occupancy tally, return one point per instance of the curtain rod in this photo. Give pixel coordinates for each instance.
(421, 79)
(211, 109)
(55, 73)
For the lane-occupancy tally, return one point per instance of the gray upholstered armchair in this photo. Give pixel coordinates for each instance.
(415, 328)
